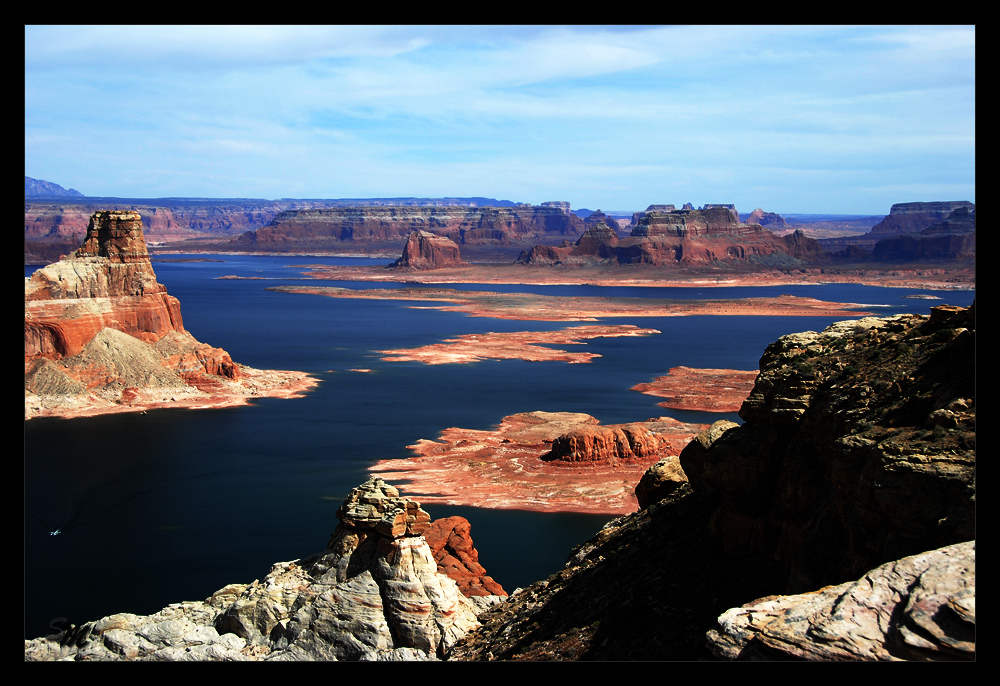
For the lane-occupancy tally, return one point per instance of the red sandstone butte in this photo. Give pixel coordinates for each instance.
(539, 461)
(425, 250)
(704, 390)
(101, 335)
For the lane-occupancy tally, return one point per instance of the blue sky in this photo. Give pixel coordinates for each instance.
(791, 119)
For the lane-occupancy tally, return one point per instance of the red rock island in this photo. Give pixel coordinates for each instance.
(703, 390)
(541, 461)
(101, 335)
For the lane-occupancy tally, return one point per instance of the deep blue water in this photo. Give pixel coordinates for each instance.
(174, 504)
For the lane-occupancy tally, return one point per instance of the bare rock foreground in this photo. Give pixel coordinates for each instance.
(374, 593)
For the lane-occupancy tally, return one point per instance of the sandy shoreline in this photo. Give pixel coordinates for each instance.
(923, 277)
(532, 307)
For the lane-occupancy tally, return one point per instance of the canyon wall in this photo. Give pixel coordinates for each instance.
(463, 225)
(681, 238)
(914, 217)
(55, 225)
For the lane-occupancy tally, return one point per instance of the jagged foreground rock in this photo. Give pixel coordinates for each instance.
(374, 593)
(102, 335)
(858, 448)
(922, 607)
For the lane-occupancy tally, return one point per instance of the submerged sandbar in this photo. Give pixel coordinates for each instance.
(530, 306)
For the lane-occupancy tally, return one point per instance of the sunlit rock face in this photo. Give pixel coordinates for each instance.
(108, 282)
(425, 250)
(102, 335)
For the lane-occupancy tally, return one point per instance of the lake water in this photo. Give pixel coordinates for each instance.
(174, 504)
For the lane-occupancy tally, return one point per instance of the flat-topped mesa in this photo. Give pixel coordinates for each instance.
(728, 206)
(914, 217)
(561, 205)
(425, 250)
(714, 220)
(385, 223)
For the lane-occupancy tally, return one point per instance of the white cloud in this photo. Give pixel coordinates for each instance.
(624, 109)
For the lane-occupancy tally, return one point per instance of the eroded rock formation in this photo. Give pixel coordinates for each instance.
(374, 593)
(914, 217)
(456, 556)
(874, 418)
(102, 335)
(298, 229)
(713, 235)
(425, 250)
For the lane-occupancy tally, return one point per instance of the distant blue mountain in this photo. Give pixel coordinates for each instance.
(39, 188)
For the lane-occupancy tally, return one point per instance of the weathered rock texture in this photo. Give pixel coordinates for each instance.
(922, 607)
(102, 335)
(374, 593)
(425, 250)
(457, 558)
(858, 449)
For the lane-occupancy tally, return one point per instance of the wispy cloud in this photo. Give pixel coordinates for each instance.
(615, 117)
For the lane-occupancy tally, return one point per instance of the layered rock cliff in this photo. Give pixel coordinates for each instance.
(374, 593)
(298, 229)
(710, 236)
(914, 217)
(858, 450)
(102, 335)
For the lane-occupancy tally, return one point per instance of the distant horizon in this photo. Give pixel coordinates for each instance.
(822, 119)
(82, 198)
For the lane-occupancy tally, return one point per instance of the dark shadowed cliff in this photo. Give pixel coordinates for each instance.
(858, 449)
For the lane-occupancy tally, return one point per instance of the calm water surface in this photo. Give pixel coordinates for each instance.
(174, 504)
